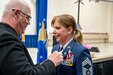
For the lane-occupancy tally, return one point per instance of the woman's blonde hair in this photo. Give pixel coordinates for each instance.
(66, 21)
(79, 37)
(69, 21)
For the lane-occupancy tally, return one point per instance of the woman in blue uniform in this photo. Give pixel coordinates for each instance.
(76, 58)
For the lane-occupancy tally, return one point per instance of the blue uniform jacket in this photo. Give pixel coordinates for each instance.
(77, 60)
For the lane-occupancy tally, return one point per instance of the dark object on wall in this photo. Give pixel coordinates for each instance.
(94, 49)
(54, 41)
(78, 24)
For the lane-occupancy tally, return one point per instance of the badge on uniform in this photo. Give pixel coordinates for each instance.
(69, 59)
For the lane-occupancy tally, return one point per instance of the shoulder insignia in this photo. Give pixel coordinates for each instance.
(86, 67)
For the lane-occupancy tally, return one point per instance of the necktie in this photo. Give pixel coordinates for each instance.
(60, 49)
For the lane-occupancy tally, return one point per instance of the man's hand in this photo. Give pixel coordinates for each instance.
(56, 57)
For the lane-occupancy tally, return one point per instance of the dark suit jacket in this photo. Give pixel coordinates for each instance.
(14, 57)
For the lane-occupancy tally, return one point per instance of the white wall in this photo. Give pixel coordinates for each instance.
(94, 17)
(2, 3)
(110, 29)
(109, 19)
(31, 29)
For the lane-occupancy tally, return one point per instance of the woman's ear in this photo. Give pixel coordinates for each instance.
(70, 30)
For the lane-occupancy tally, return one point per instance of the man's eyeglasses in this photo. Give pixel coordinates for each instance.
(28, 16)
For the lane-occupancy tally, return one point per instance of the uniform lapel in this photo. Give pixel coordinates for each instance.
(68, 48)
(56, 48)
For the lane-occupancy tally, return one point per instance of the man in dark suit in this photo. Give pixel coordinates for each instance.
(14, 57)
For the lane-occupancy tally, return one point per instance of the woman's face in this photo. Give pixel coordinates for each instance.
(60, 32)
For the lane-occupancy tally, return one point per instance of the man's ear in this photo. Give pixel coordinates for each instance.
(16, 13)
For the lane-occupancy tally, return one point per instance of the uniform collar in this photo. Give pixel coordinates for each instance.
(67, 43)
(68, 47)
